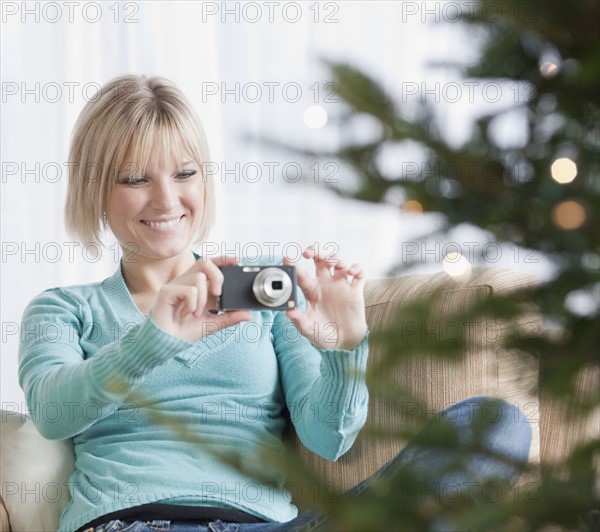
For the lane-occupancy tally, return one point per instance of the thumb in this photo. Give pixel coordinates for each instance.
(229, 318)
(300, 321)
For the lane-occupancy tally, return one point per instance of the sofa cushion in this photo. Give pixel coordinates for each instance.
(578, 426)
(423, 383)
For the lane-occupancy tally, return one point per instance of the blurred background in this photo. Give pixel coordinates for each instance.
(251, 69)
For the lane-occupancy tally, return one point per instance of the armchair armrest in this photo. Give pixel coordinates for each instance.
(34, 474)
(4, 519)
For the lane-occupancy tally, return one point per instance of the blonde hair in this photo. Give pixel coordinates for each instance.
(126, 116)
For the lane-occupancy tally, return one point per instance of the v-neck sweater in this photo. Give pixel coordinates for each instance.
(155, 418)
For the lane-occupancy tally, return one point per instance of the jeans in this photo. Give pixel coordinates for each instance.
(493, 439)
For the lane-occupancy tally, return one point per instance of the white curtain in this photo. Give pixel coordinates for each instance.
(222, 54)
(49, 70)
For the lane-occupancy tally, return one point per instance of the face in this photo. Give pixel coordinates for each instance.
(157, 214)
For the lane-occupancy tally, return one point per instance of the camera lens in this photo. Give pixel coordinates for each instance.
(272, 287)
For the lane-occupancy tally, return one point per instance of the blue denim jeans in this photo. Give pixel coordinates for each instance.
(493, 439)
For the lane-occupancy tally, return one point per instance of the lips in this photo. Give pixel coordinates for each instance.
(163, 224)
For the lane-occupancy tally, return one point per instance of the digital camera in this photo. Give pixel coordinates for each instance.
(258, 288)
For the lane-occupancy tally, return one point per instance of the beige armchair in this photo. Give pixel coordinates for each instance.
(35, 502)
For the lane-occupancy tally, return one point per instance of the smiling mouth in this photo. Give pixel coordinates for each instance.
(163, 224)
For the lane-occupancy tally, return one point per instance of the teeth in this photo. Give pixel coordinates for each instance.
(163, 225)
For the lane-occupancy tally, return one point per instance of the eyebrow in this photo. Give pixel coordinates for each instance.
(130, 164)
(127, 170)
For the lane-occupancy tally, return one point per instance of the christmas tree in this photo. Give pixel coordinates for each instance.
(539, 192)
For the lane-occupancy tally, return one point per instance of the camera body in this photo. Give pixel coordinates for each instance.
(258, 288)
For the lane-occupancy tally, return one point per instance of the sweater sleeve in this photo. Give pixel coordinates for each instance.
(67, 391)
(325, 389)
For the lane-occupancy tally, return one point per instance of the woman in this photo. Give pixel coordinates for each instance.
(152, 386)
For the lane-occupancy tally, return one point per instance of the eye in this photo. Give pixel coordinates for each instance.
(132, 180)
(187, 174)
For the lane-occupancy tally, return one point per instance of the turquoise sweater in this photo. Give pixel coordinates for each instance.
(94, 369)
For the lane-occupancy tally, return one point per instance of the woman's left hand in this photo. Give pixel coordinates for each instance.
(335, 308)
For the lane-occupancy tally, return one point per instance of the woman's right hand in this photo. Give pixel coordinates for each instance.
(181, 307)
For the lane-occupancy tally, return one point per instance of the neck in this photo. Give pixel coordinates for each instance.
(148, 276)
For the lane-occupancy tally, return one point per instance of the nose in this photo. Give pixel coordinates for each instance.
(164, 196)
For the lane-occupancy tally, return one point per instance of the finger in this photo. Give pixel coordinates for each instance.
(324, 265)
(340, 270)
(184, 307)
(356, 273)
(355, 270)
(202, 288)
(332, 259)
(214, 276)
(358, 283)
(226, 260)
(182, 297)
(174, 302)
